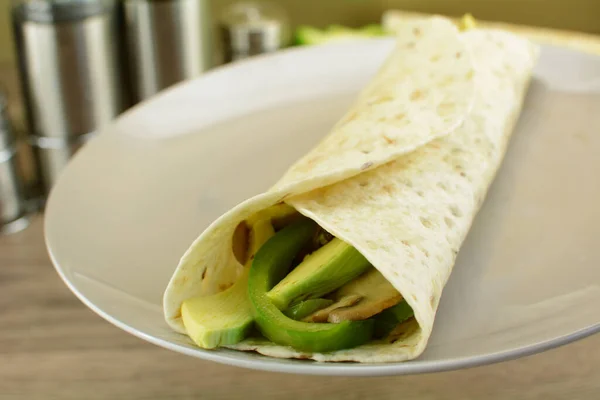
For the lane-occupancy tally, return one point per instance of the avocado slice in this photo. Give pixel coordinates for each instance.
(306, 307)
(225, 318)
(271, 262)
(376, 294)
(321, 272)
(220, 319)
(261, 231)
(388, 319)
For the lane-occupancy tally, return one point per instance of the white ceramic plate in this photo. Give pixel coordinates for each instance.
(132, 201)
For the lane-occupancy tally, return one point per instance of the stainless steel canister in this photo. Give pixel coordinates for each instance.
(13, 206)
(70, 60)
(253, 27)
(51, 156)
(169, 41)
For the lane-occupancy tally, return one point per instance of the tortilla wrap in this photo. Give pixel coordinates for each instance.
(400, 177)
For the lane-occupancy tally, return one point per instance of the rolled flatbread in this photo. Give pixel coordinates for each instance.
(400, 177)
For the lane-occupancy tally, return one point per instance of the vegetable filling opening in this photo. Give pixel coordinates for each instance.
(300, 287)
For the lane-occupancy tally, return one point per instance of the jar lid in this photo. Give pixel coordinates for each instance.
(255, 26)
(49, 11)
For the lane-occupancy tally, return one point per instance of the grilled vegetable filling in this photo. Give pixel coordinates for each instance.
(301, 287)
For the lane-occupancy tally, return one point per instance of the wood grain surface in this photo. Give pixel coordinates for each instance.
(53, 347)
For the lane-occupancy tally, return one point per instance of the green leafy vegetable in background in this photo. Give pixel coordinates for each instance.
(308, 35)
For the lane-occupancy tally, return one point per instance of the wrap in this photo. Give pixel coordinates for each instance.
(400, 177)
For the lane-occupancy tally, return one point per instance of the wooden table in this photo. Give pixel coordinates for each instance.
(53, 347)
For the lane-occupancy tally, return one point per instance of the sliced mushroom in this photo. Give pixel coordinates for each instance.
(323, 314)
(376, 295)
(239, 242)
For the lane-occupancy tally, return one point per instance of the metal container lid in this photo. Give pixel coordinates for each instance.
(50, 11)
(7, 139)
(53, 143)
(254, 27)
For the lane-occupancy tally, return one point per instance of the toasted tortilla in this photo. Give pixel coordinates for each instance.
(400, 177)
